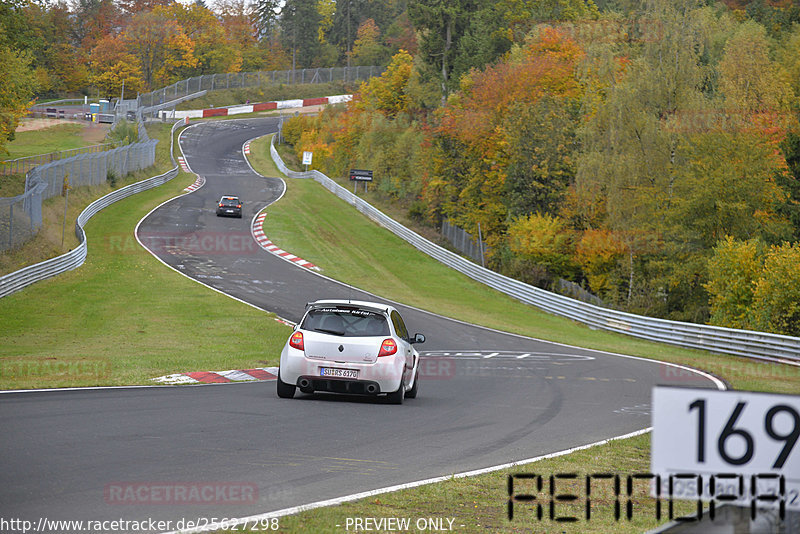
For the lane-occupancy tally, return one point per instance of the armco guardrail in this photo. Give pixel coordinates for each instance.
(17, 280)
(748, 343)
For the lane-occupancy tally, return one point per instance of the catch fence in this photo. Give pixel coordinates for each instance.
(233, 80)
(21, 216)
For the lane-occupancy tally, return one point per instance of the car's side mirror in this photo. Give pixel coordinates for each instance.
(418, 338)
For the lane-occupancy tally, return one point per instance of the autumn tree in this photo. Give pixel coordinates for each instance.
(776, 300)
(47, 36)
(367, 48)
(16, 91)
(631, 158)
(124, 75)
(520, 16)
(733, 270)
(390, 93)
(160, 45)
(300, 20)
(545, 240)
(400, 35)
(94, 21)
(598, 252)
(749, 80)
(727, 188)
(480, 130)
(213, 50)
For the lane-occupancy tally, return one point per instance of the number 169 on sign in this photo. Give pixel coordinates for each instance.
(740, 444)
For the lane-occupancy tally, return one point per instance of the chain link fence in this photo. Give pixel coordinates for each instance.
(23, 165)
(470, 247)
(464, 242)
(233, 80)
(17, 218)
(71, 260)
(21, 216)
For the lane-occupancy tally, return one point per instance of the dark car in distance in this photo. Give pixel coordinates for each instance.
(229, 206)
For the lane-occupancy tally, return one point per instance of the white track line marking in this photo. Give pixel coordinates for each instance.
(410, 485)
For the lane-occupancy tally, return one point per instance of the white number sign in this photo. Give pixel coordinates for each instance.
(732, 443)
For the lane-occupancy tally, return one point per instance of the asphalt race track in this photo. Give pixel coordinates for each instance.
(486, 398)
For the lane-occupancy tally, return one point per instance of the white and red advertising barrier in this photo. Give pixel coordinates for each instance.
(251, 108)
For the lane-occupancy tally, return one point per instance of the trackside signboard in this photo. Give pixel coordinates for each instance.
(726, 447)
(360, 175)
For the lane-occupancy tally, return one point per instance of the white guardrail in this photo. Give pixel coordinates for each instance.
(759, 345)
(73, 259)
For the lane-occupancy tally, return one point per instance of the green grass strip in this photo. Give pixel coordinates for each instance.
(66, 136)
(124, 318)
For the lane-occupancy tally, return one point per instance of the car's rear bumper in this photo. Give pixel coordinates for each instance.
(386, 374)
(310, 384)
(225, 213)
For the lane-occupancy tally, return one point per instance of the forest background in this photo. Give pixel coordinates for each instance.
(646, 150)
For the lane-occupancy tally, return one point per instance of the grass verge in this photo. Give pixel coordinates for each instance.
(55, 138)
(123, 318)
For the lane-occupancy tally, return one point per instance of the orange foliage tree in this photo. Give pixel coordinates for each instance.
(475, 142)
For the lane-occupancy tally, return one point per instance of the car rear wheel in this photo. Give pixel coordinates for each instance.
(412, 393)
(285, 391)
(396, 397)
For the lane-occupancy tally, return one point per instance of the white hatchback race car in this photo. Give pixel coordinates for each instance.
(353, 347)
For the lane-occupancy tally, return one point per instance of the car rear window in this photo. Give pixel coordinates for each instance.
(346, 322)
(229, 202)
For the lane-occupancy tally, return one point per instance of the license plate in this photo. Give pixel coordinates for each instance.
(229, 211)
(340, 373)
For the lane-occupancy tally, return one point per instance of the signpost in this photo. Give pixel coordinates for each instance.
(360, 175)
(727, 447)
(307, 157)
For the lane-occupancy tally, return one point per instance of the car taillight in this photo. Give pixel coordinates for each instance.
(296, 341)
(388, 347)
(239, 206)
(220, 205)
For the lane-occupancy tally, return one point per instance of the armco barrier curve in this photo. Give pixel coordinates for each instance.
(759, 345)
(17, 280)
